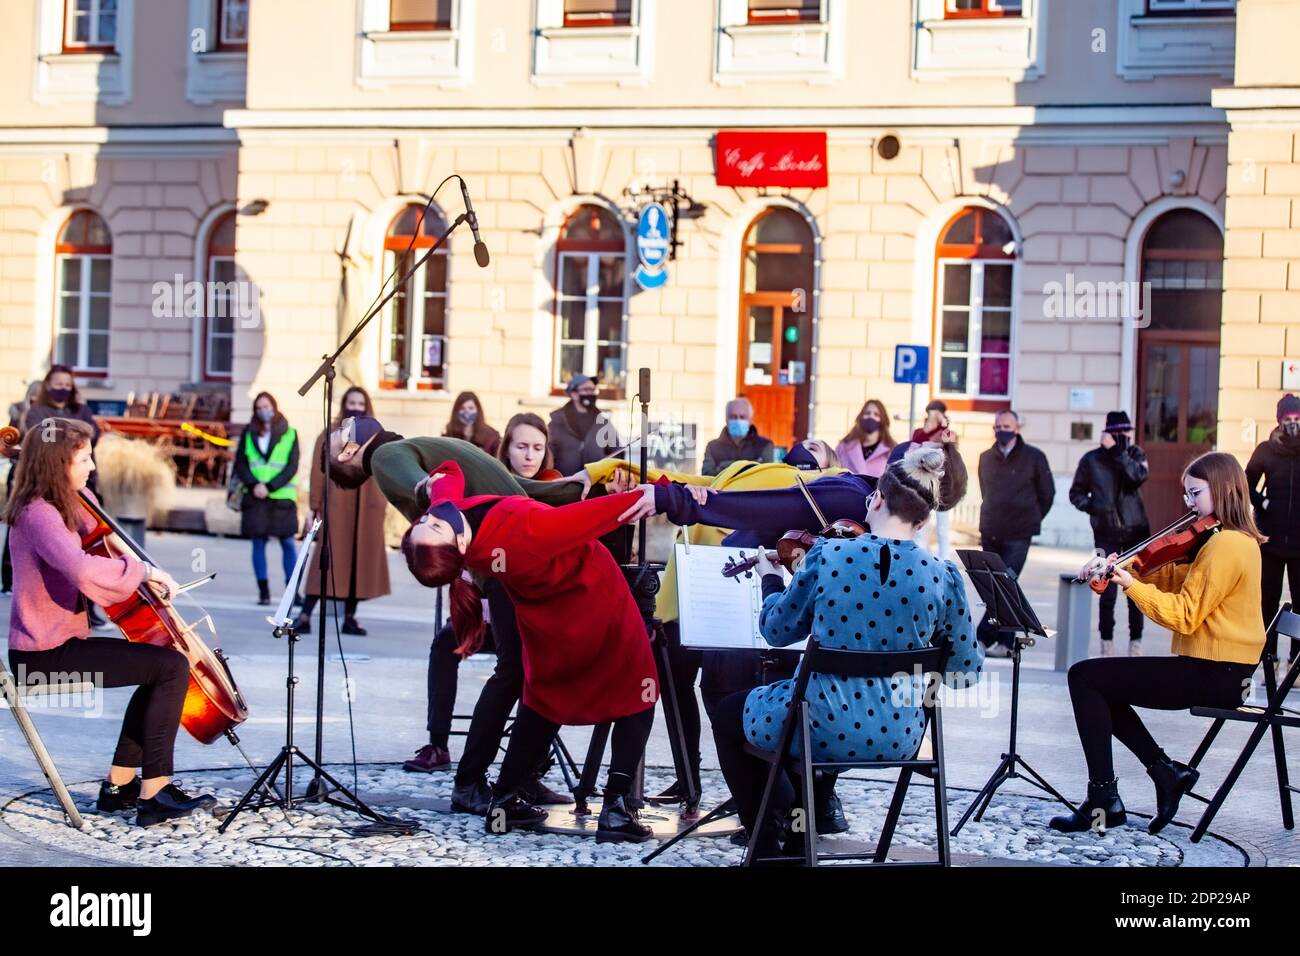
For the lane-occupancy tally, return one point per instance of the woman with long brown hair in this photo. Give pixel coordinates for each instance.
(467, 422)
(865, 449)
(49, 632)
(1212, 607)
(358, 566)
(266, 462)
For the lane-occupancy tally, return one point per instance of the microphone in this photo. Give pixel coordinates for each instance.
(480, 248)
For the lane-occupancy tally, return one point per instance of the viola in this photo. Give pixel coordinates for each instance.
(793, 547)
(1176, 544)
(213, 706)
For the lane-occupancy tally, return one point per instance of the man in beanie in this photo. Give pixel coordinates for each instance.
(579, 432)
(1106, 487)
(1277, 507)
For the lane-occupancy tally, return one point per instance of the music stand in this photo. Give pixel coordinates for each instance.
(1009, 610)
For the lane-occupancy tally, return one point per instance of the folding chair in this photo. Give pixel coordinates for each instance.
(1274, 715)
(929, 662)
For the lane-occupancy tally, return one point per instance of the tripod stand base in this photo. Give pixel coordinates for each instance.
(1006, 771)
(666, 822)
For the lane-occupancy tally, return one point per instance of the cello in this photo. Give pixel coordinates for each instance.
(213, 705)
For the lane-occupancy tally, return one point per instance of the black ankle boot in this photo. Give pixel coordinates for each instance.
(619, 821)
(826, 804)
(263, 591)
(1172, 780)
(1103, 796)
(114, 798)
(508, 811)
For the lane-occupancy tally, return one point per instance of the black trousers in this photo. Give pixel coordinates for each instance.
(1273, 566)
(154, 713)
(1105, 690)
(745, 774)
(309, 604)
(1109, 598)
(1013, 552)
(532, 735)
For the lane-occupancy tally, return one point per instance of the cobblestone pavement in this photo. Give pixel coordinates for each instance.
(387, 672)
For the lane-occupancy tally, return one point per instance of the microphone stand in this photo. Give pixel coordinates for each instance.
(316, 789)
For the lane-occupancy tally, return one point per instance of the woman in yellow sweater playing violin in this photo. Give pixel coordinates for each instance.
(1211, 606)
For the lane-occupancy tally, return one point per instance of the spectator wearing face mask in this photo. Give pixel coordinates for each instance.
(580, 433)
(739, 441)
(865, 449)
(1277, 506)
(1017, 488)
(467, 422)
(358, 566)
(266, 463)
(1107, 487)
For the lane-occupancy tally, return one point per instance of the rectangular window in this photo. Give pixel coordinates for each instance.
(785, 11)
(973, 328)
(219, 331)
(1191, 7)
(590, 330)
(232, 24)
(971, 9)
(414, 338)
(81, 340)
(419, 14)
(90, 26)
(597, 13)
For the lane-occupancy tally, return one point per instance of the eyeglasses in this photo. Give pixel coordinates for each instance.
(1189, 497)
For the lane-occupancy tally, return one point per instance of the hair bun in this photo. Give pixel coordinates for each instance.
(924, 464)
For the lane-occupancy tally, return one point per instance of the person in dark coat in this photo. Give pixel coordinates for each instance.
(738, 441)
(1017, 488)
(1277, 506)
(1107, 487)
(579, 432)
(266, 463)
(467, 422)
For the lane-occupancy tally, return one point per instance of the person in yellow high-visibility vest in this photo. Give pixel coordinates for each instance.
(266, 463)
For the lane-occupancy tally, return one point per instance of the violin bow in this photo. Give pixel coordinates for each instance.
(817, 512)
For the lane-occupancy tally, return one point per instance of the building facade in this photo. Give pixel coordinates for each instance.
(1035, 191)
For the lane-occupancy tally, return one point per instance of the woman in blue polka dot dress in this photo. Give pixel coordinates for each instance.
(878, 592)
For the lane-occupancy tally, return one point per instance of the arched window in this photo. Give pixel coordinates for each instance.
(1178, 351)
(776, 299)
(84, 267)
(975, 262)
(220, 303)
(591, 300)
(413, 334)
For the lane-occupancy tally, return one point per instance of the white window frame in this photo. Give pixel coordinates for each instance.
(209, 336)
(591, 343)
(92, 76)
(212, 75)
(94, 16)
(1190, 6)
(950, 6)
(974, 329)
(810, 52)
(608, 54)
(83, 330)
(1190, 43)
(415, 336)
(222, 8)
(946, 48)
(443, 59)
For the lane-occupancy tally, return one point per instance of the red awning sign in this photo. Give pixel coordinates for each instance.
(748, 158)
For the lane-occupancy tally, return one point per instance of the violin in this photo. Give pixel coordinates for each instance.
(1178, 543)
(213, 706)
(794, 546)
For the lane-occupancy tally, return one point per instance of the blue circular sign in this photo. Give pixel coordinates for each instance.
(652, 235)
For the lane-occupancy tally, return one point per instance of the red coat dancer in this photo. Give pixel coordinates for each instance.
(586, 653)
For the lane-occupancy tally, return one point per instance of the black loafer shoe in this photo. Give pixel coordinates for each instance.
(472, 798)
(114, 798)
(350, 626)
(170, 803)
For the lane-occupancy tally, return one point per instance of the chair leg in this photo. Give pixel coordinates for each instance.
(891, 818)
(1221, 794)
(1206, 741)
(809, 801)
(1283, 781)
(19, 710)
(941, 815)
(772, 771)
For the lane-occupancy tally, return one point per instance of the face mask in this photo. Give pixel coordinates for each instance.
(803, 459)
(738, 427)
(353, 410)
(59, 395)
(586, 401)
(467, 417)
(266, 414)
(1291, 431)
(1004, 436)
(448, 513)
(870, 426)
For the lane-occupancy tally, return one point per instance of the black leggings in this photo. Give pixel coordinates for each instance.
(745, 774)
(531, 736)
(1105, 690)
(1271, 568)
(309, 605)
(154, 713)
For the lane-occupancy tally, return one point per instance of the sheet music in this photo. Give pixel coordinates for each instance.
(714, 612)
(284, 613)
